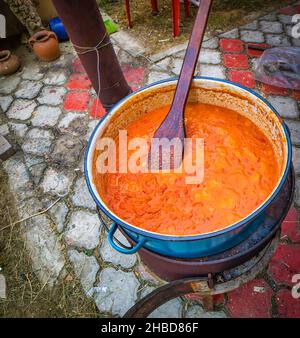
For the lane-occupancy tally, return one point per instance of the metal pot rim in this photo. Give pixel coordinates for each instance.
(166, 237)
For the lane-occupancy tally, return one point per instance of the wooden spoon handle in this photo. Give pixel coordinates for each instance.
(191, 58)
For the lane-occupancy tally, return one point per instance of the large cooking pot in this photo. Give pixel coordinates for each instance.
(206, 90)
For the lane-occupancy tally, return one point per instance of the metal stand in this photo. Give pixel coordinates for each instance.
(206, 287)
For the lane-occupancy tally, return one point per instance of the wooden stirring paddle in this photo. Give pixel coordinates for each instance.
(172, 127)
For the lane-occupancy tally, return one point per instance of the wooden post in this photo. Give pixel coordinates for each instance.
(85, 27)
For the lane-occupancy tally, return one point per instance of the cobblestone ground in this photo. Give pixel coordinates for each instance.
(49, 111)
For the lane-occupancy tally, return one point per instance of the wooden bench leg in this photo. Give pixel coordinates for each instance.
(154, 7)
(176, 16)
(187, 4)
(127, 8)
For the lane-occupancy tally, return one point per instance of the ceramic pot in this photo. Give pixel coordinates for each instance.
(9, 63)
(45, 45)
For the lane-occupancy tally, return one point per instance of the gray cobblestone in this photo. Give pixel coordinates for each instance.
(286, 106)
(208, 56)
(66, 144)
(157, 76)
(111, 255)
(83, 230)
(36, 167)
(146, 274)
(211, 43)
(5, 102)
(55, 77)
(21, 109)
(196, 311)
(27, 208)
(277, 40)
(296, 159)
(52, 95)
(45, 250)
(252, 36)
(19, 129)
(73, 123)
(91, 126)
(250, 26)
(288, 30)
(162, 65)
(9, 84)
(128, 43)
(168, 52)
(116, 292)
(65, 60)
(58, 214)
(233, 34)
(32, 72)
(28, 89)
(82, 197)
(297, 196)
(285, 19)
(56, 182)
(271, 27)
(85, 268)
(37, 142)
(294, 127)
(18, 177)
(45, 116)
(171, 309)
(176, 66)
(124, 57)
(270, 17)
(212, 71)
(4, 129)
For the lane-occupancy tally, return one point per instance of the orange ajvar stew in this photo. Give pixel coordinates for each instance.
(240, 172)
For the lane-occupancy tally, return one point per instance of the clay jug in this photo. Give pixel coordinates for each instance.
(45, 45)
(9, 63)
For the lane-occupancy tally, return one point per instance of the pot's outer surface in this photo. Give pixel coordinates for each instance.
(207, 90)
(170, 268)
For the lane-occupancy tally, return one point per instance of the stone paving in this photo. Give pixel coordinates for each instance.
(49, 110)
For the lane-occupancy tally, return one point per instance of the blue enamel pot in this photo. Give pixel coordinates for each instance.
(206, 90)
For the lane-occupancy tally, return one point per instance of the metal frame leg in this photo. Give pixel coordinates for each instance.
(176, 17)
(187, 4)
(128, 15)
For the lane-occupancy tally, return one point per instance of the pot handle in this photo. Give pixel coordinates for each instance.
(31, 41)
(133, 250)
(52, 35)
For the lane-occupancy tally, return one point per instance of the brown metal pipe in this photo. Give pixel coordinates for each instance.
(85, 26)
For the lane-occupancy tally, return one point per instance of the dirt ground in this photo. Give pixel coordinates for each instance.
(26, 297)
(156, 31)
